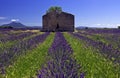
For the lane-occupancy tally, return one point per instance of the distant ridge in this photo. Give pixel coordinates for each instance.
(86, 27)
(81, 27)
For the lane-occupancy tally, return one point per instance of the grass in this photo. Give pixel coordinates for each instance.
(38, 33)
(101, 38)
(8, 44)
(27, 65)
(92, 63)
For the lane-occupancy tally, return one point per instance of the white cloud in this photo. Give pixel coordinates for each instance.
(103, 24)
(98, 24)
(118, 24)
(106, 25)
(2, 18)
(14, 20)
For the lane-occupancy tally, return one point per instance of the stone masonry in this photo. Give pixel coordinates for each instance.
(54, 22)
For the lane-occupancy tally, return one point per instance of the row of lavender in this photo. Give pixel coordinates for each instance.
(62, 64)
(106, 50)
(110, 38)
(7, 32)
(108, 31)
(7, 57)
(13, 37)
(114, 39)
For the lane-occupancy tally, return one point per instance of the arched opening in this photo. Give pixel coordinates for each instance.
(57, 28)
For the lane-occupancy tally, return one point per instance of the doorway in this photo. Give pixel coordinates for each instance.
(57, 28)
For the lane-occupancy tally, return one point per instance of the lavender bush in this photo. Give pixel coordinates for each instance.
(16, 37)
(106, 50)
(62, 64)
(9, 54)
(111, 36)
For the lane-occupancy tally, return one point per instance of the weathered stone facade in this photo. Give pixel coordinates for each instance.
(54, 21)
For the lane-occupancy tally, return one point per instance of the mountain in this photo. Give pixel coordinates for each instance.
(81, 27)
(14, 25)
(86, 27)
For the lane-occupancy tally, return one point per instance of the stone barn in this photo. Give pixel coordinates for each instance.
(58, 21)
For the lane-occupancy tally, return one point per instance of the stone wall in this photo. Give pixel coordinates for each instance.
(58, 22)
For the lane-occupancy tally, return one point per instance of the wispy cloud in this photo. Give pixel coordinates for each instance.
(106, 25)
(2, 18)
(15, 20)
(118, 24)
(98, 24)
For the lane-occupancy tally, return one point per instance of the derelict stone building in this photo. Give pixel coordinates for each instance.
(54, 21)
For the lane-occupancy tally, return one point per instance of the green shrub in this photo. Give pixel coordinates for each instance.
(54, 9)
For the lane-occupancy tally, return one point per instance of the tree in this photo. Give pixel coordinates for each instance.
(54, 9)
(6, 27)
(118, 27)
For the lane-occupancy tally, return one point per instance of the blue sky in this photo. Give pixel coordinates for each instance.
(95, 13)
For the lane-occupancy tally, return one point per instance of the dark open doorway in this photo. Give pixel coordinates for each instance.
(57, 28)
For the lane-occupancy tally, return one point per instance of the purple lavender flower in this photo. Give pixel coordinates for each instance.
(9, 54)
(106, 50)
(62, 64)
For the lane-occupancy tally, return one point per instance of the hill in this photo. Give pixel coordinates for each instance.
(14, 25)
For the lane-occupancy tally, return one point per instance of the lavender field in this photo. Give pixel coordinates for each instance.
(85, 53)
